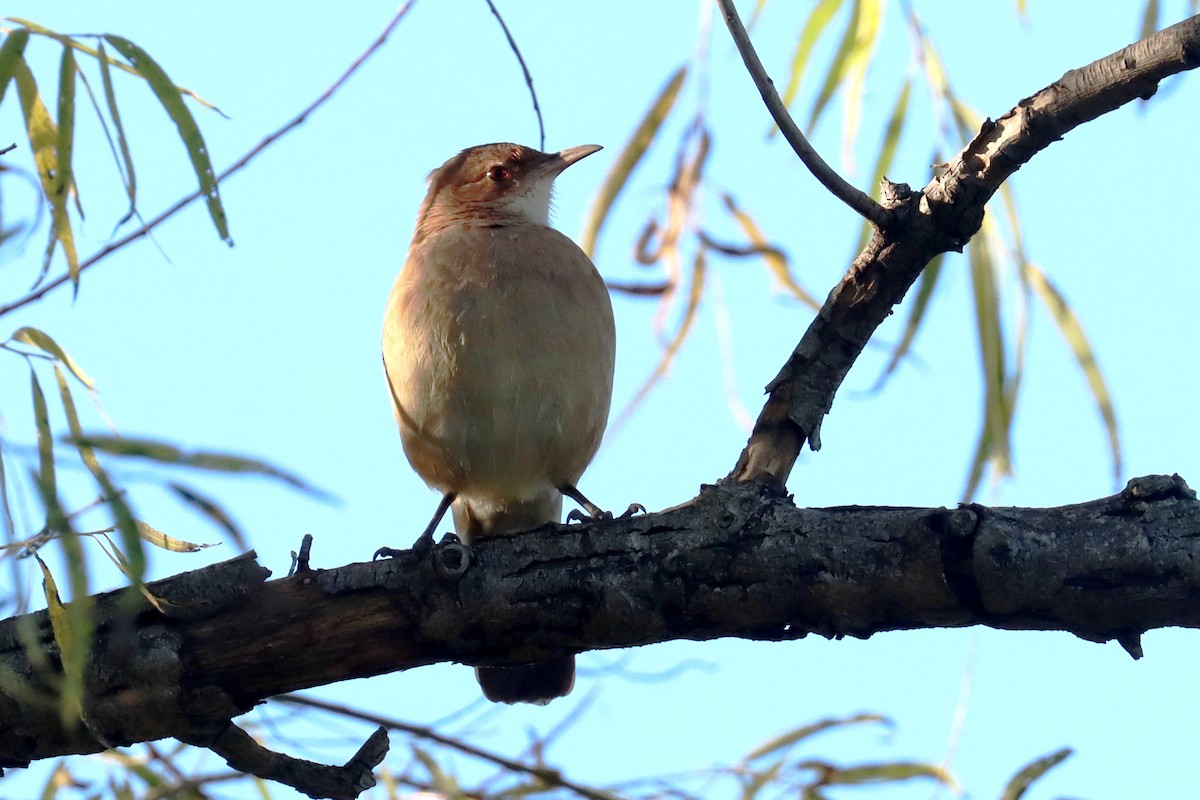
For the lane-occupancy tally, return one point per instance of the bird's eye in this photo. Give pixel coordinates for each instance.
(498, 173)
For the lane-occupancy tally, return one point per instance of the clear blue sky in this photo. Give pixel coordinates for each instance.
(271, 348)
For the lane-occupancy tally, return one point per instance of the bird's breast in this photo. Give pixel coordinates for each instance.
(499, 345)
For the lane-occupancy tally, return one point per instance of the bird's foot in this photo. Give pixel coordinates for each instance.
(592, 513)
(422, 547)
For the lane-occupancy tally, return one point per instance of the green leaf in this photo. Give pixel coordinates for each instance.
(696, 291)
(43, 139)
(916, 315)
(758, 9)
(1149, 19)
(629, 157)
(66, 126)
(870, 20)
(210, 509)
(816, 23)
(11, 53)
(45, 443)
(172, 102)
(887, 152)
(46, 344)
(128, 176)
(796, 735)
(756, 780)
(850, 61)
(993, 445)
(72, 629)
(67, 41)
(60, 777)
(169, 454)
(122, 515)
(10, 530)
(1071, 330)
(440, 780)
(57, 521)
(1020, 782)
(883, 773)
(776, 261)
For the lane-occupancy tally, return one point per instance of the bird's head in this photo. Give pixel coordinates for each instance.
(497, 183)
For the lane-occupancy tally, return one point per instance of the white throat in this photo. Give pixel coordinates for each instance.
(533, 204)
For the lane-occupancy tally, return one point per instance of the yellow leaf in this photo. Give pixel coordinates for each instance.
(628, 159)
(46, 344)
(71, 626)
(166, 542)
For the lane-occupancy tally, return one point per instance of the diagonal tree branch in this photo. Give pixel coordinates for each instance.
(740, 560)
(941, 217)
(863, 205)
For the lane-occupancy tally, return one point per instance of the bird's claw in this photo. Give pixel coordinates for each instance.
(423, 546)
(593, 513)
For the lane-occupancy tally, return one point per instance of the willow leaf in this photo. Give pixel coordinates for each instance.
(1020, 782)
(629, 157)
(11, 53)
(814, 26)
(128, 176)
(73, 640)
(122, 515)
(916, 315)
(43, 139)
(786, 740)
(1072, 331)
(189, 132)
(46, 344)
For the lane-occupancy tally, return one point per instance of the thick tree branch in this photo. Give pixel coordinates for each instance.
(739, 560)
(863, 205)
(941, 217)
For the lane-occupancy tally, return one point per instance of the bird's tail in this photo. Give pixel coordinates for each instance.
(528, 683)
(542, 681)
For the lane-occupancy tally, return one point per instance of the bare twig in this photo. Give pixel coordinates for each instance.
(528, 78)
(346, 782)
(236, 166)
(549, 776)
(856, 199)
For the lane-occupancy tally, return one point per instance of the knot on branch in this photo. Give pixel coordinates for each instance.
(450, 559)
(956, 531)
(731, 506)
(1149, 488)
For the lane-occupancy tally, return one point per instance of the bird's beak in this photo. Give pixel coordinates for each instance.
(565, 158)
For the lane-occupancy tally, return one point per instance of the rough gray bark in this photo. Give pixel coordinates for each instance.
(739, 560)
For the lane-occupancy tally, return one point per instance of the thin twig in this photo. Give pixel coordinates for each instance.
(856, 199)
(296, 121)
(549, 776)
(528, 78)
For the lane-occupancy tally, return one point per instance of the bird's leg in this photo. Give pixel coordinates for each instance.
(424, 542)
(591, 511)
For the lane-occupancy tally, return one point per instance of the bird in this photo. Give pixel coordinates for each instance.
(499, 349)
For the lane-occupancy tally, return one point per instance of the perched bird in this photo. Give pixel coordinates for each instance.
(499, 347)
